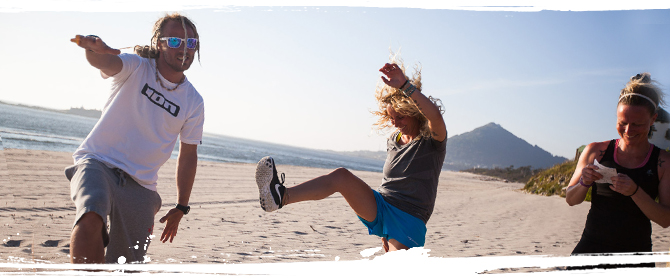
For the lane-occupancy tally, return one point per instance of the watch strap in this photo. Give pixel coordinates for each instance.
(184, 209)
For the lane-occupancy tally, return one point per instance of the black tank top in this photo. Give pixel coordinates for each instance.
(615, 220)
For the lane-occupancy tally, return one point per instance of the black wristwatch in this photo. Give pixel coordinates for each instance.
(184, 209)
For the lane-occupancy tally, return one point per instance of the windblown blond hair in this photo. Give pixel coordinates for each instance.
(151, 50)
(403, 105)
(642, 84)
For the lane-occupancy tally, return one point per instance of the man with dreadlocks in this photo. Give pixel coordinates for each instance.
(115, 168)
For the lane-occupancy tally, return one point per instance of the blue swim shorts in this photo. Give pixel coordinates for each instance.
(393, 223)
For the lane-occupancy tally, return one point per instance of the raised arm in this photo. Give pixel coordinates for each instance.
(99, 55)
(187, 163)
(396, 79)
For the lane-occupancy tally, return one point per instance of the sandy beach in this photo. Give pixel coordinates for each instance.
(473, 216)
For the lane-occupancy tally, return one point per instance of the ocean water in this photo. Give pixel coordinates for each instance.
(29, 128)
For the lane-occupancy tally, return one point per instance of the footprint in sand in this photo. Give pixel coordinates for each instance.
(51, 243)
(12, 243)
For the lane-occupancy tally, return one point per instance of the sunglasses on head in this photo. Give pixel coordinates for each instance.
(174, 42)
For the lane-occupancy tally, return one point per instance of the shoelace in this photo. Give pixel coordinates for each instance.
(285, 195)
(282, 179)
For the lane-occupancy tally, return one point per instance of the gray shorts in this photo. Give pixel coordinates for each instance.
(131, 208)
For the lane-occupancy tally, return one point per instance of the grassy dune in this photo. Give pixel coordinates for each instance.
(554, 180)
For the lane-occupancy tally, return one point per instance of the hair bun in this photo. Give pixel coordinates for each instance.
(644, 77)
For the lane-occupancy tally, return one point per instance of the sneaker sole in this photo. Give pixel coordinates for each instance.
(264, 175)
(264, 172)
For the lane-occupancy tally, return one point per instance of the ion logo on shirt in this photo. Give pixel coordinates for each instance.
(160, 100)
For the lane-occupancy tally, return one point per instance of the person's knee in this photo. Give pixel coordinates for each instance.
(90, 223)
(340, 177)
(344, 180)
(342, 173)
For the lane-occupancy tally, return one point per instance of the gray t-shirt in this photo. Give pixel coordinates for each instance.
(411, 173)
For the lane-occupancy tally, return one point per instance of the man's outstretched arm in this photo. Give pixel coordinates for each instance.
(99, 55)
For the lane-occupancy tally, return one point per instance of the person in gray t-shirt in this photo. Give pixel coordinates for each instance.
(399, 209)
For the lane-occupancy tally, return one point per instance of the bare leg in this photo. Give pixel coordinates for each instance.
(357, 193)
(86, 244)
(394, 245)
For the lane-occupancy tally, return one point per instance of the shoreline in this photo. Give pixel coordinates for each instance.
(473, 216)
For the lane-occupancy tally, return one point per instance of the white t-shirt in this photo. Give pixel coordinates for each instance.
(140, 122)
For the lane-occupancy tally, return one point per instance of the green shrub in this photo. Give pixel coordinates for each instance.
(521, 174)
(553, 181)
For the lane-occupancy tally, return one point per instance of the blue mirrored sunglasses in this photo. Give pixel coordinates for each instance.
(174, 42)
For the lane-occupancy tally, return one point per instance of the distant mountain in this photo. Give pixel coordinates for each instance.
(492, 146)
(91, 113)
(488, 146)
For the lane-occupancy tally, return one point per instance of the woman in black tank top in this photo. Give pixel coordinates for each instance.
(621, 208)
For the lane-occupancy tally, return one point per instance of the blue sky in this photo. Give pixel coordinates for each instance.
(305, 75)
